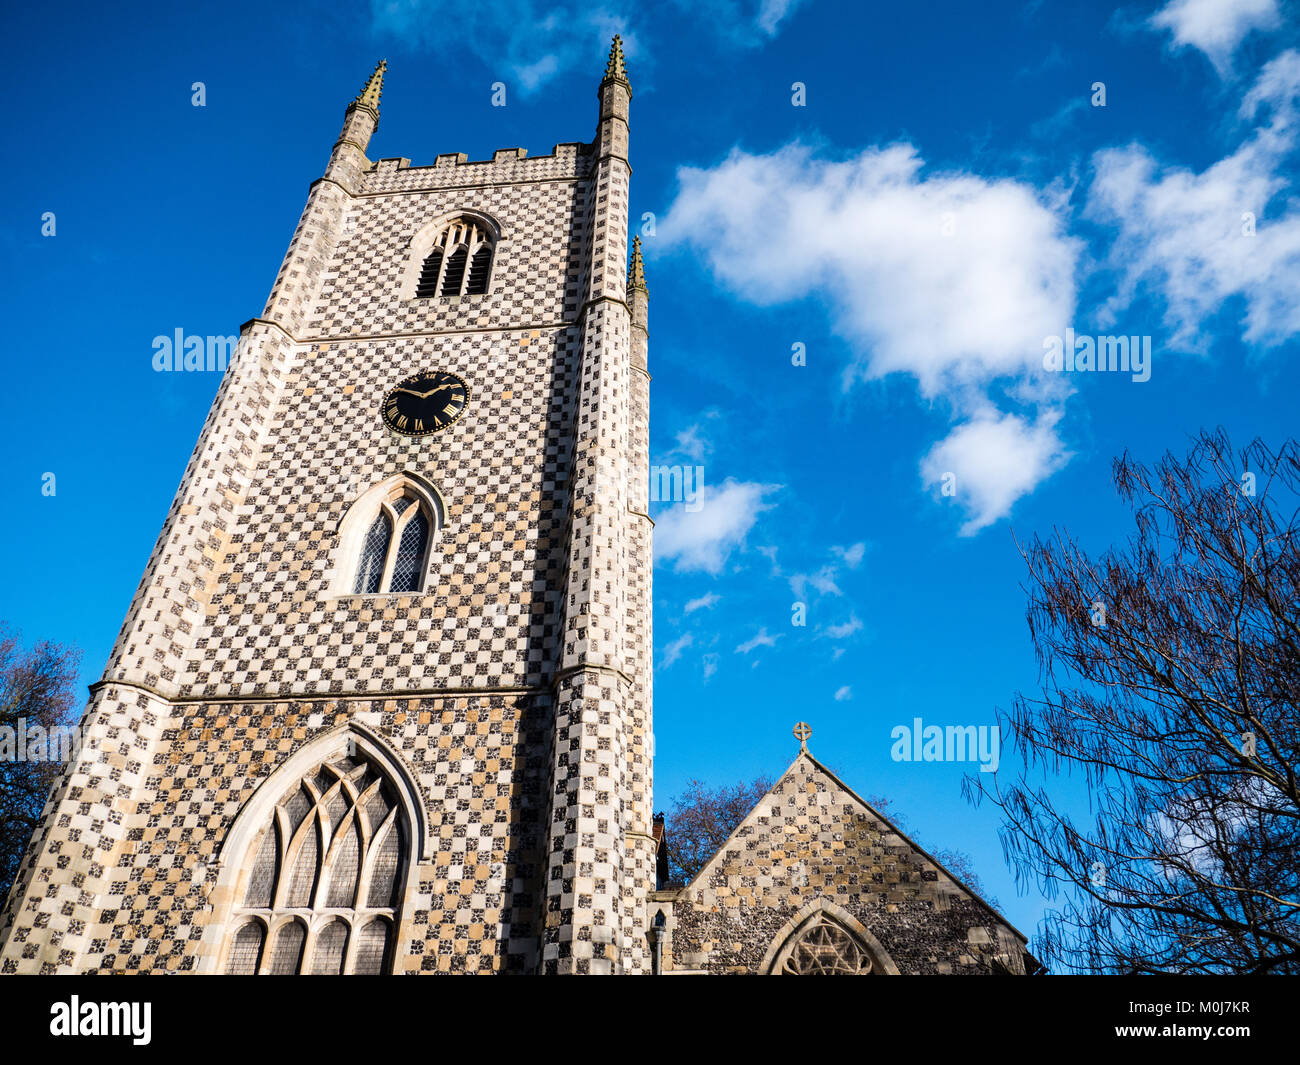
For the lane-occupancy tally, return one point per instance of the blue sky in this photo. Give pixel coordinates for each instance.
(950, 195)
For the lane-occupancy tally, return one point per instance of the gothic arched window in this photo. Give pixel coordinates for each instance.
(396, 545)
(823, 944)
(370, 573)
(458, 262)
(326, 877)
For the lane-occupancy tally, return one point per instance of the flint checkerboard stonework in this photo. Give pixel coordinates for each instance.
(811, 846)
(507, 706)
(514, 691)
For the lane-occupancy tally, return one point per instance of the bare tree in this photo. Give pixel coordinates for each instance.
(36, 697)
(701, 821)
(1170, 670)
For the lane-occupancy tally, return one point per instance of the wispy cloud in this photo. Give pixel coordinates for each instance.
(530, 42)
(843, 694)
(674, 650)
(844, 629)
(851, 555)
(1186, 236)
(693, 444)
(704, 539)
(1215, 27)
(704, 602)
(526, 41)
(760, 639)
(823, 581)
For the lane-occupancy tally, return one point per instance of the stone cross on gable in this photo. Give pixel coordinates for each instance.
(801, 733)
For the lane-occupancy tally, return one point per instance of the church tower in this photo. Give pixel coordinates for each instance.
(382, 700)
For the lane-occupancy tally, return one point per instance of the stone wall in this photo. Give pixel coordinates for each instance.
(811, 845)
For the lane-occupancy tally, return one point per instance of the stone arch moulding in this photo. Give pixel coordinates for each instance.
(350, 533)
(882, 964)
(231, 870)
(422, 242)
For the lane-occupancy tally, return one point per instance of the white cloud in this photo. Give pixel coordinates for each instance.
(528, 42)
(710, 663)
(760, 639)
(692, 444)
(747, 23)
(823, 581)
(843, 694)
(847, 628)
(772, 12)
(1183, 234)
(674, 650)
(853, 555)
(704, 539)
(951, 278)
(523, 42)
(1215, 27)
(995, 460)
(704, 602)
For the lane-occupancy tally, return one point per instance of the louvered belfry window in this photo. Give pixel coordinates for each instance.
(396, 546)
(325, 878)
(430, 272)
(459, 263)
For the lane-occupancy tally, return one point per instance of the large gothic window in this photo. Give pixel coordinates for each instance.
(323, 891)
(459, 262)
(821, 946)
(396, 545)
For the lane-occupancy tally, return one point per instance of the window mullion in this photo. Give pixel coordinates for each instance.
(390, 556)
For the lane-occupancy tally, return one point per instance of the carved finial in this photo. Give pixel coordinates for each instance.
(615, 70)
(801, 733)
(374, 89)
(636, 272)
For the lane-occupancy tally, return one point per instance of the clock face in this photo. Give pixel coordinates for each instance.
(424, 403)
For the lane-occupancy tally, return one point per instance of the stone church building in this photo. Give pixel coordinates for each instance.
(382, 700)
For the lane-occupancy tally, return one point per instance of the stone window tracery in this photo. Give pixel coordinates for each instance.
(822, 946)
(323, 891)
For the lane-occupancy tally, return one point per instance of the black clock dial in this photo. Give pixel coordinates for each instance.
(424, 403)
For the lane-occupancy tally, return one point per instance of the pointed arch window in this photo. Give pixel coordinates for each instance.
(459, 261)
(325, 878)
(825, 940)
(825, 948)
(374, 555)
(395, 549)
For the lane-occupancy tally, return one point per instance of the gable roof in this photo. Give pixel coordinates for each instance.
(751, 822)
